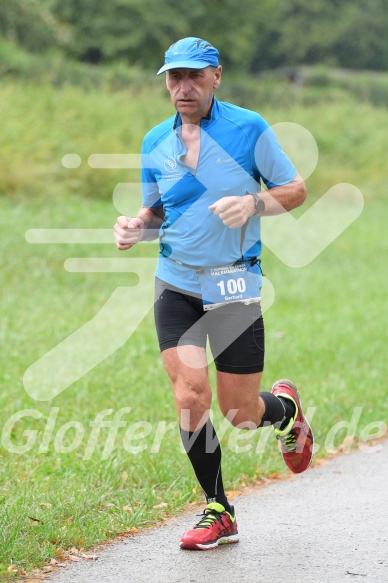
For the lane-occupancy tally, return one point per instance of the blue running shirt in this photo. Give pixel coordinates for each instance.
(237, 150)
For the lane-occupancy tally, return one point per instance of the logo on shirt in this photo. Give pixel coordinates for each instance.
(170, 164)
(224, 160)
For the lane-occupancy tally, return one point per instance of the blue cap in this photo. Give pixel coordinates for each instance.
(190, 53)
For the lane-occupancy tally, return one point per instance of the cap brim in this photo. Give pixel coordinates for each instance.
(183, 65)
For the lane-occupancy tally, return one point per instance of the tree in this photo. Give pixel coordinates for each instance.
(344, 33)
(251, 36)
(363, 42)
(139, 31)
(32, 24)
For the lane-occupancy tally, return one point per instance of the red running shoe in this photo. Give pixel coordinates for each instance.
(216, 527)
(296, 440)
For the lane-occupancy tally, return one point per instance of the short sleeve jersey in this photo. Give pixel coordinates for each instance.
(238, 150)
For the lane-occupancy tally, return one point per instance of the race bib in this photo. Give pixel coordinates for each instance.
(229, 283)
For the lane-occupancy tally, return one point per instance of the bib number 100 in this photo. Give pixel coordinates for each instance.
(232, 286)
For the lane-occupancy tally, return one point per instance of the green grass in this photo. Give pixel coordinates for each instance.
(326, 329)
(42, 124)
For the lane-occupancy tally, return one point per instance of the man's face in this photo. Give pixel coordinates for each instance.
(191, 90)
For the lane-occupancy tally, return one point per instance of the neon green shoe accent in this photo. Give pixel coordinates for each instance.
(211, 513)
(289, 442)
(284, 432)
(215, 506)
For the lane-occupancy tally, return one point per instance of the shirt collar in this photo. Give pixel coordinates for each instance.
(211, 117)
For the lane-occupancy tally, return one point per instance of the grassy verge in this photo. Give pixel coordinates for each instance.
(325, 330)
(42, 124)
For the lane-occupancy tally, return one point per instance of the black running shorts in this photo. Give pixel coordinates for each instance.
(235, 331)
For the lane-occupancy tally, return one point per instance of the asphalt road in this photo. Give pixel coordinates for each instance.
(329, 524)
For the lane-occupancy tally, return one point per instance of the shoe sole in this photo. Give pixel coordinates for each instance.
(225, 540)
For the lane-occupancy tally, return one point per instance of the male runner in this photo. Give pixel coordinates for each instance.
(201, 177)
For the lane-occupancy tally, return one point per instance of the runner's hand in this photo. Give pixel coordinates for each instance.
(127, 232)
(234, 211)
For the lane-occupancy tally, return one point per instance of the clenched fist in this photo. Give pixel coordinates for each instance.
(234, 211)
(127, 232)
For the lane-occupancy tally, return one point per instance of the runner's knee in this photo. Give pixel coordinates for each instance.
(192, 395)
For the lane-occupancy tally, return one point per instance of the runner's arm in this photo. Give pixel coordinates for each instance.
(144, 227)
(281, 199)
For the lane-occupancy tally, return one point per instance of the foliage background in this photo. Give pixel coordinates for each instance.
(78, 76)
(251, 36)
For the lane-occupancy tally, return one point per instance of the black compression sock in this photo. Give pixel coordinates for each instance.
(290, 411)
(204, 452)
(278, 411)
